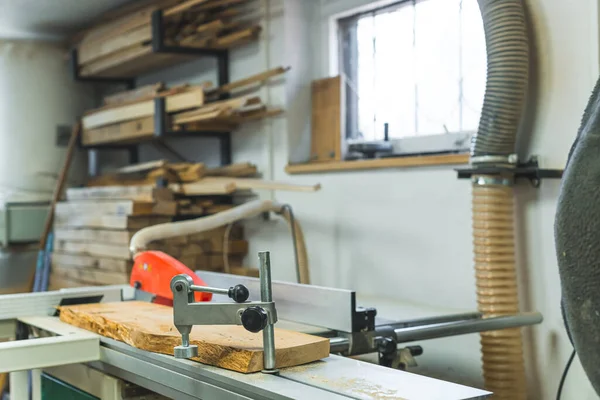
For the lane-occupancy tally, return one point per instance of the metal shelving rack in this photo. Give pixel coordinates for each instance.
(162, 125)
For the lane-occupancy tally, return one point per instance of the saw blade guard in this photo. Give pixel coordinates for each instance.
(152, 272)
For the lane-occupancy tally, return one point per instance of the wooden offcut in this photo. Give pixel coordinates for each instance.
(150, 327)
(251, 80)
(326, 136)
(249, 183)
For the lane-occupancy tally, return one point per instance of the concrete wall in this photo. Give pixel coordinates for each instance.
(384, 233)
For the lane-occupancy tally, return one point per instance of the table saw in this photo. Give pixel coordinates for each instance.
(333, 313)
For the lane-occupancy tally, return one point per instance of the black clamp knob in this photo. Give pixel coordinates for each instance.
(254, 319)
(239, 293)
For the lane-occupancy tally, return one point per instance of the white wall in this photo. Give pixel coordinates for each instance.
(384, 233)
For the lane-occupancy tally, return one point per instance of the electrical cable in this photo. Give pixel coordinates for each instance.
(564, 375)
(293, 228)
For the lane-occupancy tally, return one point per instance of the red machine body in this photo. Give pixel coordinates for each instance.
(152, 272)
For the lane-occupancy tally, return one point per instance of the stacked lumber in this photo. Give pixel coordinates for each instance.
(120, 45)
(128, 116)
(92, 236)
(94, 225)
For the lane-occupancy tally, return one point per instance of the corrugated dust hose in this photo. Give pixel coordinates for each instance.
(497, 295)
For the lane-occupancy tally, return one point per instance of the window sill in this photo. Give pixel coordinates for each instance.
(396, 162)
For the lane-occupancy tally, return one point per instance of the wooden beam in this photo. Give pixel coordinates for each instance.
(258, 78)
(141, 167)
(93, 249)
(90, 51)
(91, 276)
(237, 37)
(137, 193)
(105, 264)
(182, 7)
(94, 235)
(181, 101)
(110, 207)
(248, 183)
(150, 327)
(126, 131)
(233, 170)
(107, 221)
(388, 162)
(141, 93)
(203, 188)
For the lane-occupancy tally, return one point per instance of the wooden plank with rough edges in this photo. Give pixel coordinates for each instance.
(150, 327)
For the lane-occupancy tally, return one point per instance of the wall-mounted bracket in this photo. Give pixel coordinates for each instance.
(529, 170)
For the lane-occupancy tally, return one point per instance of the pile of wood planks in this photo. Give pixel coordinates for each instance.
(120, 44)
(129, 116)
(91, 242)
(94, 225)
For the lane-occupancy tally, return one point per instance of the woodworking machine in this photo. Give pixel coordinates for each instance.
(333, 313)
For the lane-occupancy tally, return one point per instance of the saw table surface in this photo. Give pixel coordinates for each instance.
(150, 327)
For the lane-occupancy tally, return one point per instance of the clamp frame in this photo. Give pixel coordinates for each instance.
(255, 316)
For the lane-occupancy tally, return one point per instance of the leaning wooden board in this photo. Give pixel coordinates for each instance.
(150, 327)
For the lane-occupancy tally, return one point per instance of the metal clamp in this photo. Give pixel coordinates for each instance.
(255, 316)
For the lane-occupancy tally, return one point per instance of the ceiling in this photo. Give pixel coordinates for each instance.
(49, 19)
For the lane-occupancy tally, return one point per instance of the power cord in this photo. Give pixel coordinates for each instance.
(564, 375)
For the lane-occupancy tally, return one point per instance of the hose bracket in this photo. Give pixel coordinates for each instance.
(529, 170)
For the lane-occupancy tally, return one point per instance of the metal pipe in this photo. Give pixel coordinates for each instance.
(338, 345)
(266, 296)
(433, 320)
(207, 289)
(464, 327)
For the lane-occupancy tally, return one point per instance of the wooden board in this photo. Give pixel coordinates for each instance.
(181, 101)
(93, 50)
(137, 193)
(326, 120)
(141, 128)
(105, 264)
(379, 163)
(107, 221)
(137, 94)
(150, 327)
(249, 183)
(94, 235)
(93, 249)
(254, 79)
(110, 207)
(90, 276)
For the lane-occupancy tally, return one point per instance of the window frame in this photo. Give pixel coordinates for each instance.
(443, 143)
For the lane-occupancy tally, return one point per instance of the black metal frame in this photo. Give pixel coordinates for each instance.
(161, 118)
(529, 170)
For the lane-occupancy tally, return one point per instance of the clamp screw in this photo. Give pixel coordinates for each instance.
(179, 287)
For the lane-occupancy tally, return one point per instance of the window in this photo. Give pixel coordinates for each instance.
(417, 66)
